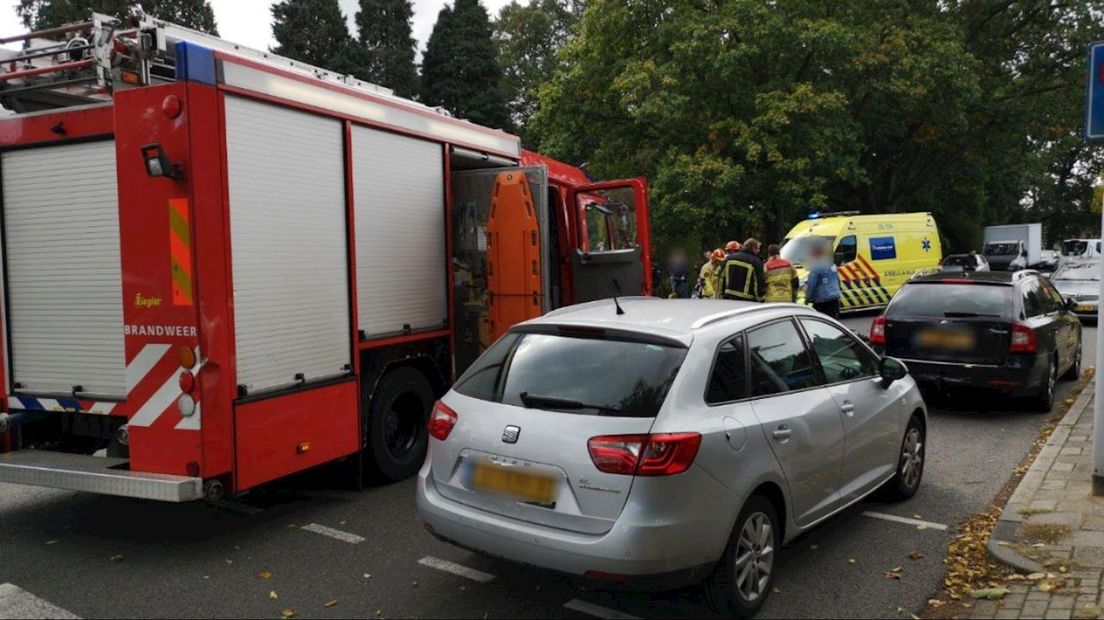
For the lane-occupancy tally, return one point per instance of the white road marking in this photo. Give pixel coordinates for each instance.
(907, 521)
(597, 611)
(18, 603)
(456, 569)
(352, 539)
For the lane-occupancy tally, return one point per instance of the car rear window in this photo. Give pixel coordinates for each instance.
(584, 375)
(950, 300)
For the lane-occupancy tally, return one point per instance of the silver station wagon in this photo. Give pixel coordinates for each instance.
(666, 442)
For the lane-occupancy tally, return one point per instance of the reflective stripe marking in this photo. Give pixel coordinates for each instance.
(144, 362)
(907, 521)
(456, 569)
(152, 409)
(16, 602)
(352, 539)
(597, 611)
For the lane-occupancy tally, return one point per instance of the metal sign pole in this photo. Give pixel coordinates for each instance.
(1094, 132)
(1098, 401)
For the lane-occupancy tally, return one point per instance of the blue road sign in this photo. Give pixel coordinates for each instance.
(1094, 94)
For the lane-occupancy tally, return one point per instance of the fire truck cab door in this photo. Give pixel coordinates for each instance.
(609, 258)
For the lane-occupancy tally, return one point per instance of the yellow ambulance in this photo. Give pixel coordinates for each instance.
(875, 254)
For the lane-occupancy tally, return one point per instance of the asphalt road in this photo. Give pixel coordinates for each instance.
(109, 557)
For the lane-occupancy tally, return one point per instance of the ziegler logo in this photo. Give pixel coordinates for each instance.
(141, 301)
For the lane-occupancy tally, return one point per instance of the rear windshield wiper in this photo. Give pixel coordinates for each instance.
(970, 315)
(532, 401)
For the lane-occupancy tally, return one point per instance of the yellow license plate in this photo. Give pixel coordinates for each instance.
(954, 340)
(1085, 308)
(514, 482)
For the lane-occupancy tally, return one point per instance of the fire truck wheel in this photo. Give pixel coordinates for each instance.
(397, 435)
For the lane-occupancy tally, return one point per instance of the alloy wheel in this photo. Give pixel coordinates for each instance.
(912, 458)
(754, 556)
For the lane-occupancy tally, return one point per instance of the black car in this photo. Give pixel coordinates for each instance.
(1009, 332)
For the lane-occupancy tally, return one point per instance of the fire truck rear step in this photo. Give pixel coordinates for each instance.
(77, 472)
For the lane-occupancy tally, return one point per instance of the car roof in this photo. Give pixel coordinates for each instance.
(673, 319)
(981, 277)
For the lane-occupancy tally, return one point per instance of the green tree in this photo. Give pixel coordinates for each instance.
(529, 37)
(746, 114)
(40, 14)
(385, 35)
(460, 69)
(310, 31)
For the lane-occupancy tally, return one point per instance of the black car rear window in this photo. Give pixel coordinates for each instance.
(584, 375)
(950, 300)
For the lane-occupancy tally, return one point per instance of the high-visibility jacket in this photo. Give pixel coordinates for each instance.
(782, 281)
(709, 280)
(742, 277)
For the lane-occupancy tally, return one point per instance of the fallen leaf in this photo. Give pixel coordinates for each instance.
(917, 517)
(850, 560)
(330, 603)
(814, 547)
(1036, 576)
(264, 575)
(367, 575)
(272, 595)
(936, 603)
(915, 555)
(415, 584)
(116, 558)
(51, 542)
(991, 594)
(289, 613)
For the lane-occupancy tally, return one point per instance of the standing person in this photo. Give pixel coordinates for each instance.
(823, 288)
(679, 268)
(742, 277)
(709, 277)
(782, 282)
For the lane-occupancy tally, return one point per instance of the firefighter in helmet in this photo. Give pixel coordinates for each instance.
(742, 277)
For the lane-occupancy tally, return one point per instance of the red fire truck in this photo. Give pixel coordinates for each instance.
(221, 267)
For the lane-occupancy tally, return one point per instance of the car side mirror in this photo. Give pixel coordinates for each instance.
(892, 369)
(1071, 304)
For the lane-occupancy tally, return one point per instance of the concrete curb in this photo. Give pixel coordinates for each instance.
(1001, 541)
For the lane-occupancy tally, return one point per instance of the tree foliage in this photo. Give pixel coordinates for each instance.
(40, 14)
(529, 37)
(388, 43)
(460, 69)
(310, 31)
(746, 115)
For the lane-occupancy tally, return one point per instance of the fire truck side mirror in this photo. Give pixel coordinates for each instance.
(158, 164)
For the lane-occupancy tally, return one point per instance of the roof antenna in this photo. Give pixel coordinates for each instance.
(616, 286)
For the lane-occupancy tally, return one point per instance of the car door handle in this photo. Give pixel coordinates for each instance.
(782, 433)
(848, 408)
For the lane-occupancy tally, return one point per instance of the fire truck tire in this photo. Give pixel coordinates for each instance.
(397, 435)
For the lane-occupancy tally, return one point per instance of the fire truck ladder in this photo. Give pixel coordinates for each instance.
(84, 63)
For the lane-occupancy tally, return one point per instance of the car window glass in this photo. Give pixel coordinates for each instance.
(848, 249)
(778, 360)
(1054, 298)
(841, 357)
(729, 379)
(1032, 299)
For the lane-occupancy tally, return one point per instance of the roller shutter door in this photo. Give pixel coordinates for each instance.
(64, 277)
(402, 272)
(289, 245)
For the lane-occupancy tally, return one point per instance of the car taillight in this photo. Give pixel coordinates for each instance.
(877, 331)
(663, 454)
(1023, 339)
(441, 421)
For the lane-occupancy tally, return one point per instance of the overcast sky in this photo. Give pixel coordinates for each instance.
(249, 22)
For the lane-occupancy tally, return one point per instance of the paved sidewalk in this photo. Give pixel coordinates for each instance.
(1052, 530)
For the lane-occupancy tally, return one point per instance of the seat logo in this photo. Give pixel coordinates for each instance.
(510, 434)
